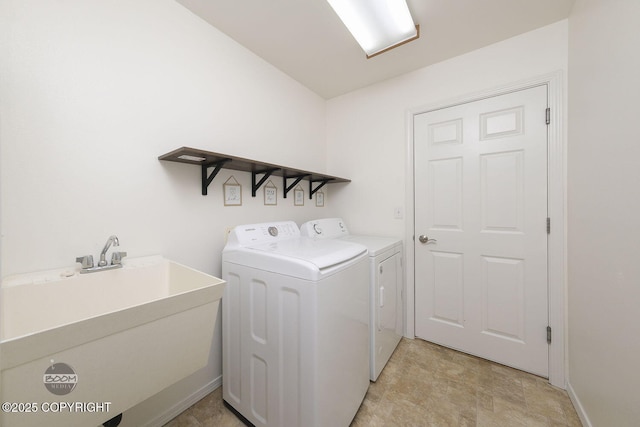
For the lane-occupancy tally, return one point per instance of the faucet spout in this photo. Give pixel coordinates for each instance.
(103, 255)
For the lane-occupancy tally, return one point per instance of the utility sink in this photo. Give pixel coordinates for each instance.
(116, 338)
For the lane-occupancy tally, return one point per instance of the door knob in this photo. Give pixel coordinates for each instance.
(424, 239)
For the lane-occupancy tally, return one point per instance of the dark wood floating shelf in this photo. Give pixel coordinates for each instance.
(207, 160)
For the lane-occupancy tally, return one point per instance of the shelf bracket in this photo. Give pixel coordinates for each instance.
(267, 173)
(288, 188)
(312, 190)
(207, 179)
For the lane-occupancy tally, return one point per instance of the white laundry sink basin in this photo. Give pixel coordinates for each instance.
(126, 334)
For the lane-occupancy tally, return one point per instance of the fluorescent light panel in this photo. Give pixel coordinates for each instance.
(377, 25)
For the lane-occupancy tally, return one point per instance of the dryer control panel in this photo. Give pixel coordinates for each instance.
(251, 234)
(326, 228)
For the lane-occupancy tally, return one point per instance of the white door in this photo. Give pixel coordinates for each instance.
(481, 201)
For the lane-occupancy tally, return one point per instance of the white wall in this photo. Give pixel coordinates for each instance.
(367, 130)
(92, 92)
(604, 207)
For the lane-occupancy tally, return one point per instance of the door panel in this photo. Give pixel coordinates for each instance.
(481, 208)
(502, 191)
(503, 291)
(448, 297)
(445, 194)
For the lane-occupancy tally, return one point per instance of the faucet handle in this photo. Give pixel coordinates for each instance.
(86, 261)
(116, 257)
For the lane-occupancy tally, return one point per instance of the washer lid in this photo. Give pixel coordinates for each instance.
(302, 257)
(322, 254)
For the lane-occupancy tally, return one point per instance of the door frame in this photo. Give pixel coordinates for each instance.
(556, 208)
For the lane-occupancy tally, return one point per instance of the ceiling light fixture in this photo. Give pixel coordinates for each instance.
(377, 25)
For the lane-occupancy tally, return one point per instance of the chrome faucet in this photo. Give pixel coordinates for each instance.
(116, 258)
(103, 254)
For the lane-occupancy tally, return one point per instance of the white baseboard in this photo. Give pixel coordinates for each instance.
(578, 406)
(181, 406)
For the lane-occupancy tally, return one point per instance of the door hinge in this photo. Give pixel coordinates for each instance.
(548, 334)
(548, 225)
(548, 115)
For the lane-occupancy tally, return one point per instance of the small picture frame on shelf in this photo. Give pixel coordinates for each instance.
(270, 194)
(319, 199)
(232, 192)
(298, 196)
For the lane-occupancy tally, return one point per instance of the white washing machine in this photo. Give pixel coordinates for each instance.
(295, 327)
(386, 284)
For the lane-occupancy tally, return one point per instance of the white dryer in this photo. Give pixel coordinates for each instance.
(295, 327)
(386, 284)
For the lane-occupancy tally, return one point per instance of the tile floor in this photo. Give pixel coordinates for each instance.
(428, 385)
